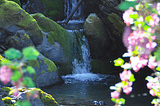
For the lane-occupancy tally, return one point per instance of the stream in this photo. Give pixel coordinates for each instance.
(84, 88)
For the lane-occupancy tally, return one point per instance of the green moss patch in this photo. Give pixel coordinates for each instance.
(51, 66)
(117, 23)
(54, 8)
(33, 63)
(56, 32)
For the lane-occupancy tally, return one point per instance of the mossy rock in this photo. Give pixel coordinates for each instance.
(56, 32)
(54, 9)
(117, 23)
(51, 66)
(17, 1)
(13, 16)
(102, 67)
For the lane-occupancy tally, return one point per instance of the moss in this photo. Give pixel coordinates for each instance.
(117, 23)
(7, 100)
(7, 89)
(12, 14)
(54, 9)
(56, 32)
(42, 72)
(51, 66)
(47, 99)
(33, 63)
(17, 1)
(26, 37)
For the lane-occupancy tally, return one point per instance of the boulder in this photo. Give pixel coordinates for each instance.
(57, 43)
(97, 35)
(46, 72)
(14, 18)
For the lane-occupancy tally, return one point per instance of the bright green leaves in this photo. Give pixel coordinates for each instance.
(158, 68)
(126, 4)
(28, 82)
(23, 103)
(16, 76)
(30, 70)
(134, 16)
(118, 62)
(132, 79)
(30, 53)
(156, 53)
(12, 54)
(119, 101)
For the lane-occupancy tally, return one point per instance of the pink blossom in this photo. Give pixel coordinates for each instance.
(5, 74)
(125, 75)
(16, 92)
(152, 64)
(151, 45)
(115, 94)
(158, 7)
(126, 34)
(127, 89)
(152, 92)
(126, 17)
(35, 95)
(137, 63)
(149, 85)
(154, 21)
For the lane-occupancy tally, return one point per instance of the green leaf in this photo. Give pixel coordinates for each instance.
(126, 4)
(16, 75)
(157, 54)
(118, 62)
(146, 27)
(132, 79)
(113, 99)
(28, 82)
(13, 53)
(134, 16)
(30, 70)
(148, 18)
(154, 101)
(30, 53)
(121, 101)
(158, 68)
(25, 103)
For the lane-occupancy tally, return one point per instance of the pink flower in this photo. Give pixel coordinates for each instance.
(127, 89)
(137, 63)
(152, 92)
(115, 94)
(5, 74)
(126, 34)
(152, 64)
(154, 21)
(149, 85)
(35, 95)
(158, 7)
(126, 17)
(125, 75)
(16, 93)
(151, 45)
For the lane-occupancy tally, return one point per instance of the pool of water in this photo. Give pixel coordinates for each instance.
(93, 89)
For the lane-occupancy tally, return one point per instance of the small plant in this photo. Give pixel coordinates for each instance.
(13, 69)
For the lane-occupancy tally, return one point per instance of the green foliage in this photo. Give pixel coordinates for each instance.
(132, 79)
(30, 69)
(23, 103)
(12, 54)
(118, 62)
(156, 53)
(28, 82)
(16, 76)
(30, 53)
(126, 4)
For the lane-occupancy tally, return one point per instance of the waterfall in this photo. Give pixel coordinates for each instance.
(83, 66)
